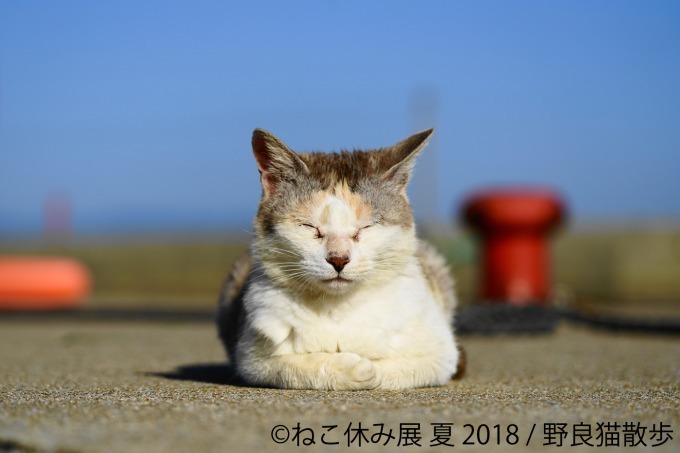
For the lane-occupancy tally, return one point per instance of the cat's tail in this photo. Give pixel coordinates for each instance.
(230, 308)
(438, 276)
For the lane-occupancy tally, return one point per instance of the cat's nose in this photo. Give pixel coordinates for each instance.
(338, 262)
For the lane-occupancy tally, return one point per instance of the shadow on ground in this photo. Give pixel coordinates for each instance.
(209, 373)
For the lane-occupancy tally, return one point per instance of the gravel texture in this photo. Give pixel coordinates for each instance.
(107, 386)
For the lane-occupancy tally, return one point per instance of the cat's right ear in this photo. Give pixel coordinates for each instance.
(275, 161)
(405, 152)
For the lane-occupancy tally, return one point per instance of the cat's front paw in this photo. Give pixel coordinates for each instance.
(349, 371)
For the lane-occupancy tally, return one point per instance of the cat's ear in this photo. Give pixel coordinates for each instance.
(404, 154)
(275, 161)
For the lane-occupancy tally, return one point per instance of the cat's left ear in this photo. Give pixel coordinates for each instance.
(404, 154)
(277, 163)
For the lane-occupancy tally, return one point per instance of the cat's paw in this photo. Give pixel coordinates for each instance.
(349, 371)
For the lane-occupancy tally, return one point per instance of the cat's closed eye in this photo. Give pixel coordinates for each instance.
(356, 237)
(316, 230)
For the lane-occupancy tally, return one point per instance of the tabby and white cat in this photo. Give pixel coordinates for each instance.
(337, 293)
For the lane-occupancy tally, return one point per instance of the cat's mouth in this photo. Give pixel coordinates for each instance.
(337, 280)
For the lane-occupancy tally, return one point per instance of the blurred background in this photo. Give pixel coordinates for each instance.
(125, 129)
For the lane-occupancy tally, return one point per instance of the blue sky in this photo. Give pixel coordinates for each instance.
(141, 112)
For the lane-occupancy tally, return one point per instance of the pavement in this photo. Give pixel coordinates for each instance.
(126, 386)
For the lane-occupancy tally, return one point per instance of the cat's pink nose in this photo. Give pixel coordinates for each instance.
(338, 262)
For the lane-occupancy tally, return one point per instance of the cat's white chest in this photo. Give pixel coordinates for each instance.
(372, 322)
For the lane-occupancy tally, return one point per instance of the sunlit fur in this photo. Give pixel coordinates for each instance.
(380, 317)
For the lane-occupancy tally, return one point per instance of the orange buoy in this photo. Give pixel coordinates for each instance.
(42, 283)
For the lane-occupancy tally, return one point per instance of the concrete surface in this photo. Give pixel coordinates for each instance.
(105, 386)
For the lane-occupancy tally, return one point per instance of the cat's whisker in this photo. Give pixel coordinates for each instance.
(289, 263)
(303, 269)
(269, 249)
(290, 268)
(282, 251)
(281, 254)
(306, 284)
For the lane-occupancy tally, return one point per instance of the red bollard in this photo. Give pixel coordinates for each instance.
(514, 224)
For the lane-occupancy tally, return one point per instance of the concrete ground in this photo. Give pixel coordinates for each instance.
(149, 386)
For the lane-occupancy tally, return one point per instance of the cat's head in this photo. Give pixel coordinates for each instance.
(328, 223)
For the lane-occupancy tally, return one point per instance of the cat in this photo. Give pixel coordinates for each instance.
(337, 293)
